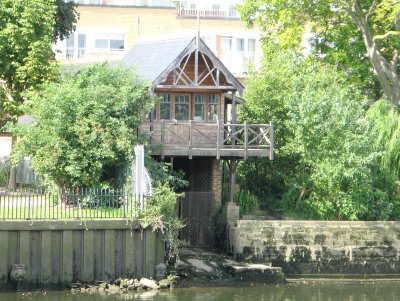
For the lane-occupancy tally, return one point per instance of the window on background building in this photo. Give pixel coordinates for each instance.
(73, 49)
(117, 42)
(81, 45)
(213, 100)
(251, 45)
(240, 45)
(226, 45)
(70, 47)
(101, 42)
(113, 42)
(182, 107)
(199, 107)
(165, 106)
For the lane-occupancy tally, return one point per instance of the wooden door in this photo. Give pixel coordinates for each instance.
(196, 209)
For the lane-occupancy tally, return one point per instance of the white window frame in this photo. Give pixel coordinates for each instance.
(109, 37)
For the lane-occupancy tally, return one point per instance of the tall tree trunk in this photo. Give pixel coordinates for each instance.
(386, 72)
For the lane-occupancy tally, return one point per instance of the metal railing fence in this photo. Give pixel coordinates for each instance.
(69, 204)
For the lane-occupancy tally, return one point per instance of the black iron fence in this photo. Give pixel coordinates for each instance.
(70, 204)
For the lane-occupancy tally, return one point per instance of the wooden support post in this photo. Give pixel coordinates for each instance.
(218, 138)
(233, 117)
(190, 138)
(162, 139)
(233, 180)
(246, 138)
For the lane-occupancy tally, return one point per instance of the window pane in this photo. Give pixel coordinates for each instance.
(82, 40)
(240, 45)
(213, 100)
(182, 107)
(199, 107)
(165, 107)
(101, 43)
(117, 44)
(251, 47)
(70, 41)
(226, 44)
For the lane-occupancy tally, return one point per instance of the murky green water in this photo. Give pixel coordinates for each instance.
(326, 291)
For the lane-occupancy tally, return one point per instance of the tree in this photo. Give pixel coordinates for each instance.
(329, 165)
(27, 30)
(347, 33)
(84, 126)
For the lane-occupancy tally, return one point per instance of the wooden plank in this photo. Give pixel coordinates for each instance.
(46, 258)
(204, 87)
(4, 247)
(77, 247)
(35, 256)
(99, 258)
(24, 241)
(119, 253)
(109, 255)
(88, 256)
(66, 275)
(190, 138)
(129, 254)
(140, 255)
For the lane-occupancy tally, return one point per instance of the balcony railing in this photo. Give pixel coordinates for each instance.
(192, 138)
(209, 13)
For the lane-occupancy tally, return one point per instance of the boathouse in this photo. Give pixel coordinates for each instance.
(194, 124)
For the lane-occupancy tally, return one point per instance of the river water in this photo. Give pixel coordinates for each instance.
(299, 291)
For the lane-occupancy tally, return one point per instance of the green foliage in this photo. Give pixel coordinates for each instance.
(65, 19)
(84, 126)
(354, 35)
(160, 214)
(161, 174)
(4, 173)
(328, 165)
(247, 202)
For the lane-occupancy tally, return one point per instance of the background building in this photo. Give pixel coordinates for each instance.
(107, 29)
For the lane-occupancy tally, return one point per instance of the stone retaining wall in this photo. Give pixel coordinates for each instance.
(56, 253)
(319, 247)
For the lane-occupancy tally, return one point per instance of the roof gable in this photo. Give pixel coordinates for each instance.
(173, 64)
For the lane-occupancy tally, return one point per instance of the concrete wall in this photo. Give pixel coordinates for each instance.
(57, 253)
(319, 247)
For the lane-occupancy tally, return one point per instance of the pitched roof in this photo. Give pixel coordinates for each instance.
(155, 60)
(152, 58)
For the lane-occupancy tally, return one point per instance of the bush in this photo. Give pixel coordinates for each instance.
(247, 202)
(4, 172)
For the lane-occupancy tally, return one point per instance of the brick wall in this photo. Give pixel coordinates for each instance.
(216, 182)
(319, 247)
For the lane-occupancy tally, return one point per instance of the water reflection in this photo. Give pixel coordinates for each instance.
(329, 291)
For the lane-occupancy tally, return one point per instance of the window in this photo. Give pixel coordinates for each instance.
(199, 107)
(240, 45)
(226, 44)
(72, 50)
(213, 100)
(165, 106)
(251, 47)
(101, 42)
(69, 50)
(81, 45)
(110, 42)
(182, 107)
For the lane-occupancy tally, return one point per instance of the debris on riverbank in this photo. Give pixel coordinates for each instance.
(195, 268)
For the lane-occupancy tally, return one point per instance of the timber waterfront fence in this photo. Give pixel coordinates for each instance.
(40, 204)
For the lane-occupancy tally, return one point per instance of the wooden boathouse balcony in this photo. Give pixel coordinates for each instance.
(198, 139)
